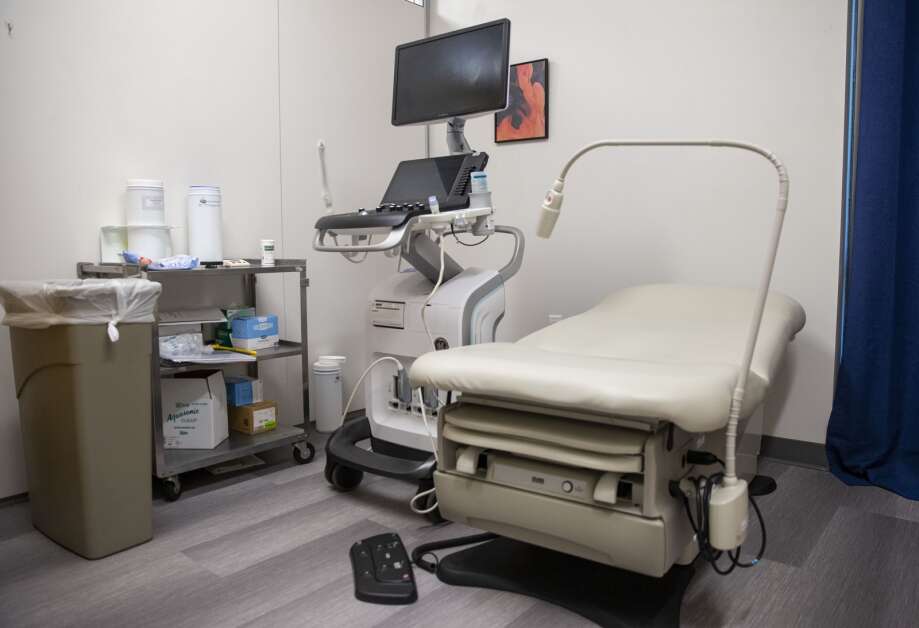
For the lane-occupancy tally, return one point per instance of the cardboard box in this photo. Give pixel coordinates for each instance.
(254, 418)
(243, 390)
(195, 410)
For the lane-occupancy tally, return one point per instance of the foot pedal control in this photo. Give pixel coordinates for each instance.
(382, 571)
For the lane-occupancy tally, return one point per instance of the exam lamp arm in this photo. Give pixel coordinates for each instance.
(551, 210)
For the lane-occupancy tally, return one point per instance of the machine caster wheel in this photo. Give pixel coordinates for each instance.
(343, 478)
(172, 488)
(434, 516)
(304, 457)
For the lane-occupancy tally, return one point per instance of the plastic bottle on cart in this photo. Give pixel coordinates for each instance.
(479, 194)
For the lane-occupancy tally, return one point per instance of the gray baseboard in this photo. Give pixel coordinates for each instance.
(14, 499)
(794, 451)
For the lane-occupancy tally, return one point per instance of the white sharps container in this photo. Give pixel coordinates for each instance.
(326, 393)
(204, 223)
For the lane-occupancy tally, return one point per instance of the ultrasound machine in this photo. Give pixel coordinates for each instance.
(439, 304)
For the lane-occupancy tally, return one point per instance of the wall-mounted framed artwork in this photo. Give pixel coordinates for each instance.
(527, 113)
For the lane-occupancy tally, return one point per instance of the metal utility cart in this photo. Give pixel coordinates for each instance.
(191, 290)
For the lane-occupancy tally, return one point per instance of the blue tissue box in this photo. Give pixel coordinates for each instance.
(254, 326)
(241, 391)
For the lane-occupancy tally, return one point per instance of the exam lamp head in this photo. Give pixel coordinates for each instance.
(551, 208)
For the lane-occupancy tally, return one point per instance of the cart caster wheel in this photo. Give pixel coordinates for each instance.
(343, 478)
(434, 516)
(172, 488)
(300, 456)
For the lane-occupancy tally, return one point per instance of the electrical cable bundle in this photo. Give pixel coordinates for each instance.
(700, 525)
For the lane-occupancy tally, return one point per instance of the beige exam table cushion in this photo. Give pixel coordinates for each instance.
(662, 352)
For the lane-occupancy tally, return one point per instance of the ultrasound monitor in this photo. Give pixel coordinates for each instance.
(458, 74)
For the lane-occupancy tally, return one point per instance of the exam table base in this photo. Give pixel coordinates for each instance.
(605, 595)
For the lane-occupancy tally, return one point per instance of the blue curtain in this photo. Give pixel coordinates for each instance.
(873, 435)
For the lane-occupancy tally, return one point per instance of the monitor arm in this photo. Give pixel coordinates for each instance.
(456, 136)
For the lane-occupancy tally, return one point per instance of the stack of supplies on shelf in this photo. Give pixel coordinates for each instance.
(242, 390)
(249, 413)
(255, 332)
(223, 330)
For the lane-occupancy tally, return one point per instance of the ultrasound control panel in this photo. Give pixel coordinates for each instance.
(446, 178)
(417, 206)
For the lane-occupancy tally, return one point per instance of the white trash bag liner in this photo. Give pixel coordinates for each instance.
(42, 304)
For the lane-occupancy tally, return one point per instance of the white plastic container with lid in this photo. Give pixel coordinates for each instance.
(204, 223)
(326, 399)
(144, 202)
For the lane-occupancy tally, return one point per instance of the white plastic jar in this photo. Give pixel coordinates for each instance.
(144, 202)
(326, 394)
(204, 223)
(267, 247)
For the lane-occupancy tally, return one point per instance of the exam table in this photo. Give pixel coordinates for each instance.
(588, 449)
(569, 438)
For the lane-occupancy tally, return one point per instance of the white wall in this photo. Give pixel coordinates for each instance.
(767, 72)
(95, 92)
(336, 84)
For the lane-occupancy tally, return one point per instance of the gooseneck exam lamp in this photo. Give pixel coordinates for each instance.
(731, 498)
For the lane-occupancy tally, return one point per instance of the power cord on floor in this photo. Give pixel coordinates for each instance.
(427, 549)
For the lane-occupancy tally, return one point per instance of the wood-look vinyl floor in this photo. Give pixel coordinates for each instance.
(270, 548)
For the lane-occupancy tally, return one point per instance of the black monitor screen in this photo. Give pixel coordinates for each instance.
(454, 74)
(418, 179)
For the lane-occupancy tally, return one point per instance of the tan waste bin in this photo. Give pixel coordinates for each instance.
(85, 408)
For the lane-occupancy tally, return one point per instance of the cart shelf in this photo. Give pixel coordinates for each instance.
(236, 446)
(285, 349)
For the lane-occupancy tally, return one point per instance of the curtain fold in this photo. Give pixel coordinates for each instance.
(873, 433)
